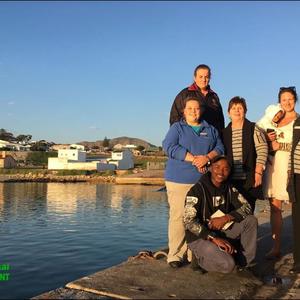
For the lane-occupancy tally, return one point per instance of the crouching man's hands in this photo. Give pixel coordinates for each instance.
(223, 245)
(219, 222)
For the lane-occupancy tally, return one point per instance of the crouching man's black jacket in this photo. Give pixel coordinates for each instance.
(204, 199)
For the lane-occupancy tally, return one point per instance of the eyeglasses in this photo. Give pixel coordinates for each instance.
(293, 88)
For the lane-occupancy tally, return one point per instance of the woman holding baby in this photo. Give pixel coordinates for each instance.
(278, 125)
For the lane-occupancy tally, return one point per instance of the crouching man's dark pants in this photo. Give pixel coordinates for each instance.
(212, 259)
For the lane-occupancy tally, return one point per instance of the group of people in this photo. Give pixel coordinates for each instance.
(214, 175)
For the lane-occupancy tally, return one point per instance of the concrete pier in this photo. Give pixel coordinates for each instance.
(150, 278)
(154, 177)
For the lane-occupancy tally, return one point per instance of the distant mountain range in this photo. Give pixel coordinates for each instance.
(124, 140)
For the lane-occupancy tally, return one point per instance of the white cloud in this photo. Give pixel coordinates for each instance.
(10, 102)
(92, 127)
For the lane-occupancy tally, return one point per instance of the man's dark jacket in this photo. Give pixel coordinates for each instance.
(213, 113)
(199, 206)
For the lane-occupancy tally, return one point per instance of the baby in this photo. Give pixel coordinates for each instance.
(269, 122)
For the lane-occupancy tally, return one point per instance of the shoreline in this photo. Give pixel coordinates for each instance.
(143, 178)
(55, 178)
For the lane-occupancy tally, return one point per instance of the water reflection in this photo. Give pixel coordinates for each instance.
(66, 199)
(69, 230)
(120, 194)
(13, 196)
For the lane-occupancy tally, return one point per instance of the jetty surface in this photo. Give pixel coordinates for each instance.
(146, 277)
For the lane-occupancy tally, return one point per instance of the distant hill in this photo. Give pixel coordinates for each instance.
(124, 140)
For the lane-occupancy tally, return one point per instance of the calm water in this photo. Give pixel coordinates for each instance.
(53, 233)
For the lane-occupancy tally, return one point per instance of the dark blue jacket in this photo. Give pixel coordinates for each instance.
(213, 109)
(180, 139)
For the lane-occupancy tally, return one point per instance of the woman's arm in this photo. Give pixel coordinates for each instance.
(173, 148)
(261, 147)
(171, 144)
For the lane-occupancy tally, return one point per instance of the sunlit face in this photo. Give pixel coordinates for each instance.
(287, 101)
(220, 171)
(237, 112)
(192, 112)
(202, 78)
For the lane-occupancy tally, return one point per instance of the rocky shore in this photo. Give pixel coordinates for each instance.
(154, 177)
(40, 177)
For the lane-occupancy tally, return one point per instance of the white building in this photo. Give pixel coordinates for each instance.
(14, 146)
(123, 159)
(77, 146)
(130, 146)
(57, 147)
(72, 154)
(74, 159)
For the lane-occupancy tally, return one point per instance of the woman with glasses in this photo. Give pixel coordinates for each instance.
(190, 144)
(275, 178)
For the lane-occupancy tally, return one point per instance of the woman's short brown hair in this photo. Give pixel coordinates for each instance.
(237, 100)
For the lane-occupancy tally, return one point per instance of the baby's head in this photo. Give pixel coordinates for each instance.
(274, 113)
(278, 116)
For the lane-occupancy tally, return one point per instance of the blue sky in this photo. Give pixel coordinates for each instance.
(74, 71)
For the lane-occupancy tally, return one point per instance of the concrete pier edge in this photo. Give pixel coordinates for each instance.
(153, 279)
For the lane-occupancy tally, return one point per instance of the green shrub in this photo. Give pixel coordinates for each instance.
(40, 158)
(23, 171)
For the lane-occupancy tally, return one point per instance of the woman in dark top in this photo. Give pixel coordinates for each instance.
(294, 194)
(247, 150)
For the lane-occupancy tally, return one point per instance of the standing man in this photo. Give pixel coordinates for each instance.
(200, 88)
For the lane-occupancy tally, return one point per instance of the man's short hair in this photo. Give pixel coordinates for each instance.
(219, 157)
(202, 66)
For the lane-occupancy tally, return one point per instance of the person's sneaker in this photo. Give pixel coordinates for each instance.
(175, 264)
(194, 262)
(195, 266)
(199, 270)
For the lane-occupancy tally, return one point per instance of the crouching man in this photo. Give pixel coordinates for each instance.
(217, 217)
